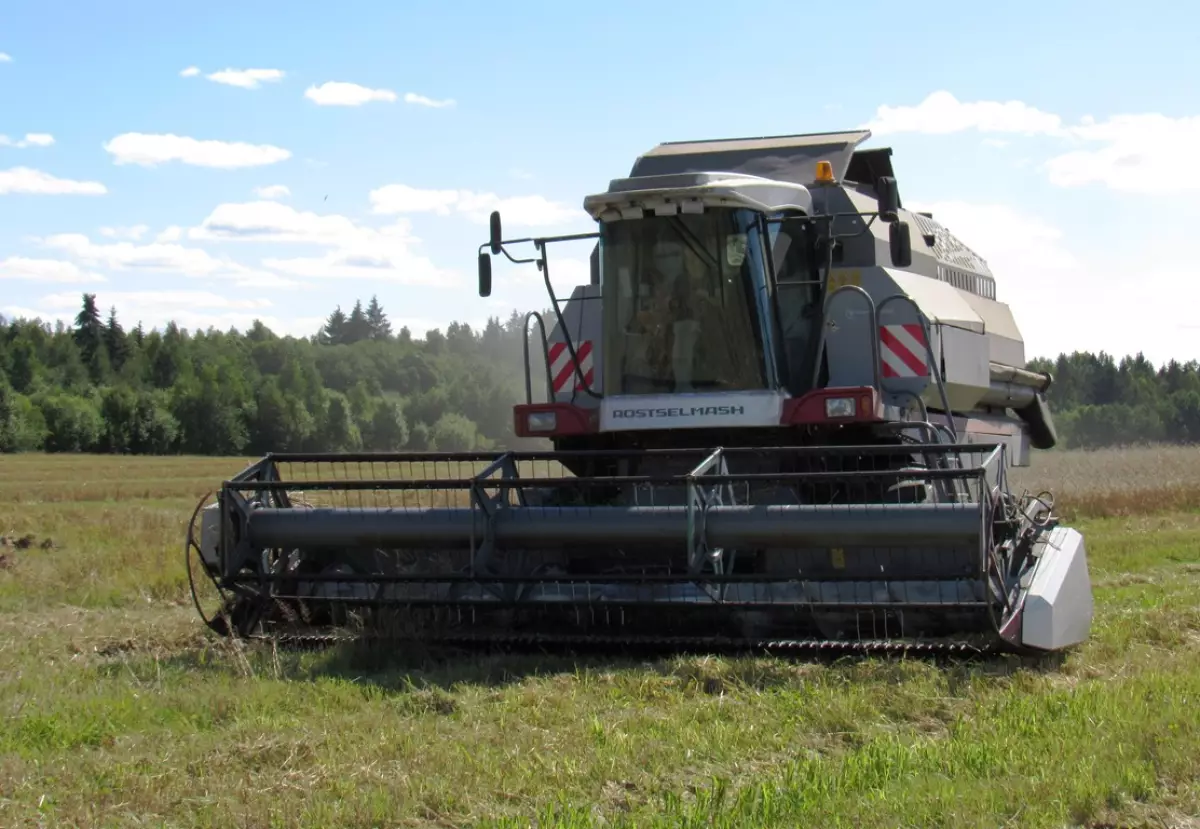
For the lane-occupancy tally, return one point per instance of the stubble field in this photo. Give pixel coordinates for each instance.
(116, 708)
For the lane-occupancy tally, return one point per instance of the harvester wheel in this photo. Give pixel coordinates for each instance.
(219, 620)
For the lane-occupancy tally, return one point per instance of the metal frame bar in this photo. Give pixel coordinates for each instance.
(545, 359)
(508, 602)
(700, 453)
(716, 478)
(487, 507)
(699, 500)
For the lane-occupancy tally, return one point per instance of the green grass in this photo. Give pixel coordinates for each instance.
(117, 710)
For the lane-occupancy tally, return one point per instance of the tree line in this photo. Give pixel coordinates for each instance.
(357, 384)
(1098, 400)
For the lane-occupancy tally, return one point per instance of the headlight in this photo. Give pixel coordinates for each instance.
(542, 421)
(839, 407)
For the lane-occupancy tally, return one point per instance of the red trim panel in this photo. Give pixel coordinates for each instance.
(568, 420)
(572, 420)
(810, 408)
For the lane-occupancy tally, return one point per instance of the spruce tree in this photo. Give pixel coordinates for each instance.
(334, 332)
(115, 341)
(89, 330)
(381, 328)
(358, 328)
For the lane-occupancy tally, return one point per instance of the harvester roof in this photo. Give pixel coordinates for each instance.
(791, 158)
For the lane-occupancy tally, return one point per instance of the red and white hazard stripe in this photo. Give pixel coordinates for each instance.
(902, 351)
(562, 369)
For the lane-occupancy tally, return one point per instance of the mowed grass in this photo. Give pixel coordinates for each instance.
(118, 710)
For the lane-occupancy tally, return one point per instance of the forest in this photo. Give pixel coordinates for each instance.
(358, 384)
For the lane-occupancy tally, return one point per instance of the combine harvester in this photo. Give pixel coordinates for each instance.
(774, 423)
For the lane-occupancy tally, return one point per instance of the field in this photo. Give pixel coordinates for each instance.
(118, 710)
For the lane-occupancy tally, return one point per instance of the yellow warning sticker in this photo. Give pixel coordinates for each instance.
(842, 277)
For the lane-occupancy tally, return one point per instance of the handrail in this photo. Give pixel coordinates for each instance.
(545, 359)
(871, 311)
(544, 266)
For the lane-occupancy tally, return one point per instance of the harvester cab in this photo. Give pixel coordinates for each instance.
(706, 304)
(772, 421)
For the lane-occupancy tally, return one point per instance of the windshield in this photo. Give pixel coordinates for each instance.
(681, 302)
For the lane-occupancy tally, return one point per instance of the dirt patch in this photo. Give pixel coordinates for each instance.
(26, 542)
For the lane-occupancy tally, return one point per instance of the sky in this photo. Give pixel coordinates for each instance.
(220, 162)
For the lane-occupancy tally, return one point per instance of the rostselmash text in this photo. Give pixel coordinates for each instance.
(679, 411)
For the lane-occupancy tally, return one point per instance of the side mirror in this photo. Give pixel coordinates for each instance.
(496, 233)
(889, 198)
(901, 244)
(485, 273)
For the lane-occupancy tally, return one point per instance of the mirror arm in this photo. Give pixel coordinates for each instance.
(508, 255)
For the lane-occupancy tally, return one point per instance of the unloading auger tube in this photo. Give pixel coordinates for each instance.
(776, 419)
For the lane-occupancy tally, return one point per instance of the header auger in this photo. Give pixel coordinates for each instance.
(773, 423)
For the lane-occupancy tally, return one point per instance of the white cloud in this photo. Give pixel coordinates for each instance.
(18, 312)
(521, 210)
(517, 211)
(355, 251)
(161, 257)
(568, 271)
(1135, 153)
(421, 100)
(1012, 241)
(29, 181)
(1140, 155)
(45, 270)
(126, 256)
(150, 150)
(1065, 300)
(273, 191)
(400, 198)
(31, 139)
(5, 57)
(177, 299)
(371, 260)
(524, 287)
(190, 72)
(246, 78)
(135, 232)
(251, 278)
(170, 234)
(270, 221)
(340, 93)
(941, 113)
